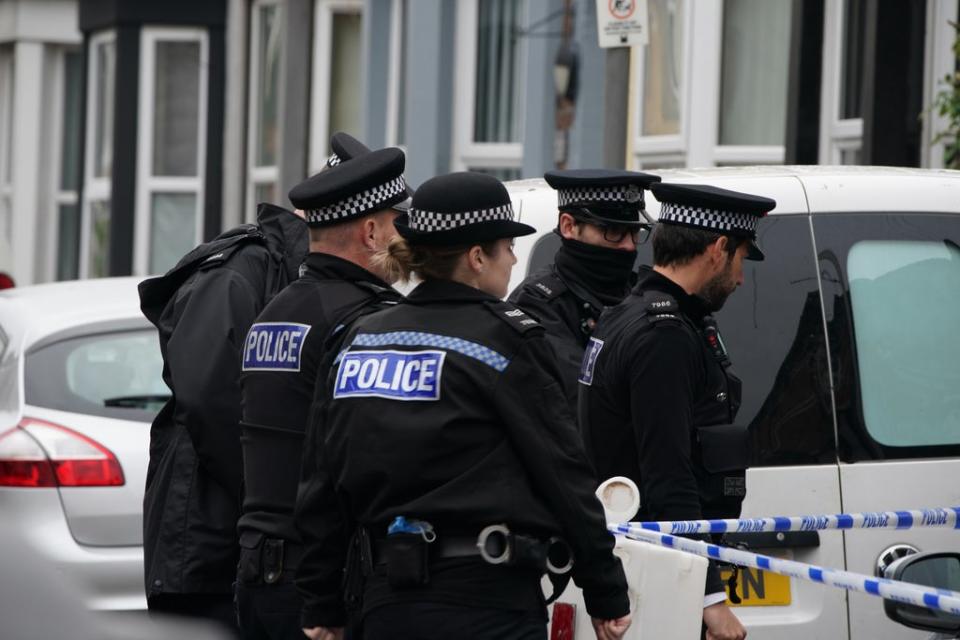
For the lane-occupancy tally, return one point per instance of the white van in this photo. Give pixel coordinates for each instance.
(847, 339)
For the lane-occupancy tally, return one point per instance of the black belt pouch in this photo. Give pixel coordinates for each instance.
(408, 560)
(725, 454)
(248, 567)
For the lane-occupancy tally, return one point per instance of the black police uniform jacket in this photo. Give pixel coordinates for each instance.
(560, 297)
(448, 408)
(192, 498)
(654, 393)
(284, 351)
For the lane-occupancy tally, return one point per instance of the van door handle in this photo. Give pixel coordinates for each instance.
(774, 539)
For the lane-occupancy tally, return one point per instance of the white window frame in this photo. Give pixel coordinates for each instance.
(468, 154)
(322, 76)
(256, 175)
(398, 41)
(95, 189)
(836, 134)
(698, 142)
(60, 196)
(147, 183)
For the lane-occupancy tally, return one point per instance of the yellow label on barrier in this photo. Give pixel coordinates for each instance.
(758, 588)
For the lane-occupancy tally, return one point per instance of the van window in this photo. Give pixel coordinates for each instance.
(891, 297)
(905, 298)
(115, 375)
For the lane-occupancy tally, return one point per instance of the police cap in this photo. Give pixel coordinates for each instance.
(608, 196)
(345, 147)
(353, 188)
(460, 208)
(714, 209)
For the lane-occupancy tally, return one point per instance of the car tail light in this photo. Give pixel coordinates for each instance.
(562, 621)
(42, 454)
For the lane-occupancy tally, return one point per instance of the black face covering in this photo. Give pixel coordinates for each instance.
(605, 272)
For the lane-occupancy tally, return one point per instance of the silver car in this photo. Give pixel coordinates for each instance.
(80, 382)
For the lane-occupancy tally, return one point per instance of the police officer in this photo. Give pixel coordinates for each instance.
(445, 428)
(203, 308)
(601, 220)
(348, 211)
(657, 400)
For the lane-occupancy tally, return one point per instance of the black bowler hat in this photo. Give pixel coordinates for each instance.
(345, 147)
(714, 209)
(607, 196)
(354, 188)
(460, 208)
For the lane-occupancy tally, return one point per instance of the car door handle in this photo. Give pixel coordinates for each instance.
(774, 539)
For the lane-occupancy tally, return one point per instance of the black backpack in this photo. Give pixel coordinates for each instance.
(155, 292)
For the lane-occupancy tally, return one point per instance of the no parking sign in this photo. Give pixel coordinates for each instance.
(622, 23)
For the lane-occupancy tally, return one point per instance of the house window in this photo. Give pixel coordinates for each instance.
(841, 107)
(6, 150)
(660, 71)
(489, 86)
(171, 151)
(719, 98)
(263, 148)
(95, 230)
(663, 70)
(753, 85)
(67, 94)
(337, 68)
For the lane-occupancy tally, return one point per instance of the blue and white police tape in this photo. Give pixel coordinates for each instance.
(939, 599)
(937, 517)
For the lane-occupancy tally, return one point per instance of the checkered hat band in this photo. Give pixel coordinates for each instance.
(333, 160)
(427, 221)
(713, 219)
(359, 203)
(614, 195)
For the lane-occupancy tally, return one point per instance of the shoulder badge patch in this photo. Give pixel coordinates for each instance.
(549, 286)
(390, 374)
(517, 318)
(660, 306)
(274, 346)
(590, 355)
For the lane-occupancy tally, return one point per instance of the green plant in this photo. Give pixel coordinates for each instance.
(947, 105)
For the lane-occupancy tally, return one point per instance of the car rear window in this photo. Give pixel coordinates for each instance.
(115, 375)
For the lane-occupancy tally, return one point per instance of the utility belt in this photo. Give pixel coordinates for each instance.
(405, 554)
(267, 560)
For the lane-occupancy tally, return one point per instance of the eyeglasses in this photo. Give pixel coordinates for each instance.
(615, 233)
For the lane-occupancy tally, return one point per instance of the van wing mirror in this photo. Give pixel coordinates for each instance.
(938, 570)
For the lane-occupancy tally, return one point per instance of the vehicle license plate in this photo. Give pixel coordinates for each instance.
(758, 588)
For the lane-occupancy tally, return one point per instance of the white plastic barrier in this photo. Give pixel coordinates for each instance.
(666, 586)
(666, 593)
